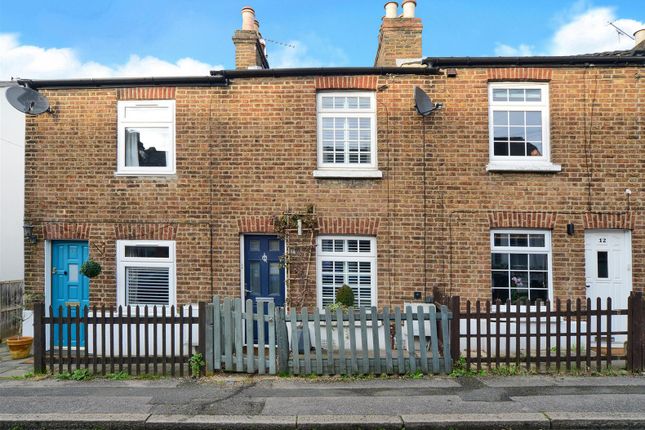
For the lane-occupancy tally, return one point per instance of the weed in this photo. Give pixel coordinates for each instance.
(460, 369)
(196, 364)
(77, 375)
(418, 374)
(118, 376)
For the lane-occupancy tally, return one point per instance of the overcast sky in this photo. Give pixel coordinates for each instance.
(101, 38)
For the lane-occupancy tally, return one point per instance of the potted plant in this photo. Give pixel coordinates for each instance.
(20, 346)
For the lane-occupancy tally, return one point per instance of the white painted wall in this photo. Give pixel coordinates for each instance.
(12, 185)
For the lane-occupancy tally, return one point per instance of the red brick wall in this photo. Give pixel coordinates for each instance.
(246, 153)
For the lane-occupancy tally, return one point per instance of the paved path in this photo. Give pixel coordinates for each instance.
(241, 402)
(10, 368)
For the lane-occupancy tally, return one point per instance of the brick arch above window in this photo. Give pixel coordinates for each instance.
(146, 93)
(544, 220)
(145, 231)
(624, 221)
(357, 226)
(63, 231)
(519, 74)
(346, 82)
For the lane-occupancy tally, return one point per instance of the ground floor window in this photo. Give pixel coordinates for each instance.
(349, 260)
(146, 273)
(520, 264)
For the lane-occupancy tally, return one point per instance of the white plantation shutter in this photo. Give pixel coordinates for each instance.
(350, 261)
(346, 129)
(148, 285)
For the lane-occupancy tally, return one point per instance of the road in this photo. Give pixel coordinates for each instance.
(542, 401)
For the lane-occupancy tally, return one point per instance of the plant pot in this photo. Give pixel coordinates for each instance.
(19, 346)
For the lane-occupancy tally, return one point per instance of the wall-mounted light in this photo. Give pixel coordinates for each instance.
(29, 233)
(570, 229)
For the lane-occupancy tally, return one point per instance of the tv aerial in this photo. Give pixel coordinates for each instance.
(423, 103)
(27, 101)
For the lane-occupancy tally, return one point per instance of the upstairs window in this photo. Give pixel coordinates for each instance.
(146, 139)
(344, 260)
(347, 131)
(519, 125)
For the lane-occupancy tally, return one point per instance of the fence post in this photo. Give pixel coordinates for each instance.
(636, 333)
(454, 329)
(39, 338)
(282, 340)
(202, 333)
(208, 336)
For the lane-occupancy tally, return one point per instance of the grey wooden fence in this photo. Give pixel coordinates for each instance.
(244, 338)
(10, 308)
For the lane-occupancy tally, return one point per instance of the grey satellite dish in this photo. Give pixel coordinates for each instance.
(423, 103)
(27, 100)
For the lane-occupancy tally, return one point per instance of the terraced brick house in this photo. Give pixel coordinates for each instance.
(529, 183)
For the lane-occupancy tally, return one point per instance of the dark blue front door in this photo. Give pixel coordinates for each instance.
(264, 271)
(69, 286)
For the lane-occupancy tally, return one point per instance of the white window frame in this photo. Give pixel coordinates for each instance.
(123, 262)
(548, 249)
(347, 170)
(123, 123)
(513, 162)
(347, 256)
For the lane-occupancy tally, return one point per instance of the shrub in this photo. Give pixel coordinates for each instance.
(345, 296)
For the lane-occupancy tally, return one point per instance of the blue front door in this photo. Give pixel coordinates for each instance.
(263, 271)
(69, 286)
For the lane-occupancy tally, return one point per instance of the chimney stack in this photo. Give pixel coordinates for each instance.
(399, 40)
(640, 39)
(250, 52)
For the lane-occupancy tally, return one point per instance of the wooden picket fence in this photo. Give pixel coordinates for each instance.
(241, 338)
(547, 336)
(10, 308)
(107, 340)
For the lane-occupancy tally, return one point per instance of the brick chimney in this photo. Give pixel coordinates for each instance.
(640, 40)
(400, 35)
(250, 48)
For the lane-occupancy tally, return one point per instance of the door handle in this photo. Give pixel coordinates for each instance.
(588, 286)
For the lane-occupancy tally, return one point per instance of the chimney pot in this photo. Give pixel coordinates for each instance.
(408, 8)
(256, 26)
(639, 35)
(391, 9)
(248, 18)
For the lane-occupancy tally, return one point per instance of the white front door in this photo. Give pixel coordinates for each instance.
(608, 271)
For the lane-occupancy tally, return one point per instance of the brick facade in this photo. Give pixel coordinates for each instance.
(245, 153)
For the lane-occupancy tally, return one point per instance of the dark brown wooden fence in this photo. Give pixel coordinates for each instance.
(636, 333)
(135, 340)
(10, 308)
(547, 336)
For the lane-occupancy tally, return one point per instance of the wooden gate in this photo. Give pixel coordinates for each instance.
(327, 342)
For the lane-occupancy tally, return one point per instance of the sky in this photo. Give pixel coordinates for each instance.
(105, 38)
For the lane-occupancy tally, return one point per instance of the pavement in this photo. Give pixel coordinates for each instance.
(241, 402)
(13, 368)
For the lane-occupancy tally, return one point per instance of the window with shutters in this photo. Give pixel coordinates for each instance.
(349, 260)
(146, 273)
(347, 134)
(146, 137)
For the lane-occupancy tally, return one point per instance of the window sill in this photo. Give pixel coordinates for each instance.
(348, 174)
(523, 166)
(147, 174)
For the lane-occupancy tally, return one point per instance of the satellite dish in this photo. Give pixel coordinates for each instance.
(27, 100)
(423, 103)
